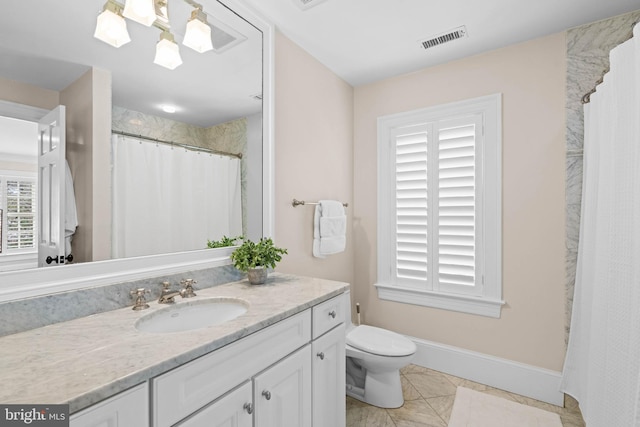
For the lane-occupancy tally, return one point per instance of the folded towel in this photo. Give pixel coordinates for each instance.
(329, 228)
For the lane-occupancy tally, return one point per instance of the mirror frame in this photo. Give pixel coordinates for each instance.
(15, 285)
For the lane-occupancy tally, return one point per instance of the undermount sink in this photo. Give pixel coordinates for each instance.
(187, 316)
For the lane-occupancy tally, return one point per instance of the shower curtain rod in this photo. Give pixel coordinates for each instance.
(177, 144)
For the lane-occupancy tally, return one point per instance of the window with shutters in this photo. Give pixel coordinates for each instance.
(18, 206)
(439, 207)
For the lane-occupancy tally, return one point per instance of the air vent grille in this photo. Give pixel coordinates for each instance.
(307, 4)
(458, 33)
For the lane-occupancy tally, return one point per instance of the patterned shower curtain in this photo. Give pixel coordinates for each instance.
(602, 367)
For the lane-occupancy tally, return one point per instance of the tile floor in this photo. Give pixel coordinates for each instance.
(429, 399)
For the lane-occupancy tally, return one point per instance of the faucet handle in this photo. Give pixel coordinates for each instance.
(140, 303)
(187, 292)
(165, 286)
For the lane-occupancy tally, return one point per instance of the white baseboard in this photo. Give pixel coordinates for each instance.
(526, 380)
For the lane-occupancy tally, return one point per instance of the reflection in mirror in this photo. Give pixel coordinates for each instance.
(161, 160)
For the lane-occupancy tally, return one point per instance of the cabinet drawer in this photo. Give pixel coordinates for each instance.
(328, 315)
(126, 409)
(188, 388)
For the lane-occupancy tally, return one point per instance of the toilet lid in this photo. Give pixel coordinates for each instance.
(380, 341)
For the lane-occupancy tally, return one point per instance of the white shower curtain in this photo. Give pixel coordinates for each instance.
(168, 199)
(602, 367)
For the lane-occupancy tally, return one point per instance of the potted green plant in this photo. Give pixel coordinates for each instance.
(256, 258)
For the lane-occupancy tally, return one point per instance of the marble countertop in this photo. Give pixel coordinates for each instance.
(83, 361)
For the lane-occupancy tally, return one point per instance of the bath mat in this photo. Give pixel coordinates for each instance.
(475, 409)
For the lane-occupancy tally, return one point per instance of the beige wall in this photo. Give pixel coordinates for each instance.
(313, 157)
(22, 93)
(531, 78)
(88, 102)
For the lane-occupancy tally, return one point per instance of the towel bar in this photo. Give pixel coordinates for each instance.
(297, 202)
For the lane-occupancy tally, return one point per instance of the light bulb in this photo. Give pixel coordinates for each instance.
(198, 35)
(111, 27)
(142, 11)
(167, 52)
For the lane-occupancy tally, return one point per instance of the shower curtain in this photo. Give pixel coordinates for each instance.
(169, 199)
(602, 367)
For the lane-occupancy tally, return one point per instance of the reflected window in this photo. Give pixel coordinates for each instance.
(18, 205)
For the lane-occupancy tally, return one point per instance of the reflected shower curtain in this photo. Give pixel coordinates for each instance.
(168, 199)
(602, 367)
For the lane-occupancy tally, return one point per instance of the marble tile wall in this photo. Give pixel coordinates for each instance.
(30, 313)
(588, 49)
(229, 137)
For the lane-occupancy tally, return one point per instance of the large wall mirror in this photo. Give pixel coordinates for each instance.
(157, 161)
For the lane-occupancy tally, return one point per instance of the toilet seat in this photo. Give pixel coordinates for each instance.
(380, 341)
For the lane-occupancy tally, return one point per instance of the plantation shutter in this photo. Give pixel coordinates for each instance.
(457, 218)
(412, 205)
(20, 203)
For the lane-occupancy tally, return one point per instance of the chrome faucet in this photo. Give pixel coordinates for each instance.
(187, 292)
(167, 295)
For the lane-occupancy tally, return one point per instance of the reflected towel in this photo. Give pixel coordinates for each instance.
(329, 228)
(70, 211)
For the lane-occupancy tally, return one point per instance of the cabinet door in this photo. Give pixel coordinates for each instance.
(129, 408)
(233, 410)
(328, 354)
(282, 393)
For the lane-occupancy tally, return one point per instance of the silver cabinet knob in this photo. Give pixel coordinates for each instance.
(332, 313)
(320, 355)
(267, 394)
(248, 407)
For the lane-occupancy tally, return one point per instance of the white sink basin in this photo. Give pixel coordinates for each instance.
(187, 316)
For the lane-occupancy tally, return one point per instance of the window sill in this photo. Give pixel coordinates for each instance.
(482, 306)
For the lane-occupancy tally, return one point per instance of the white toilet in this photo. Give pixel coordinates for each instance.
(374, 359)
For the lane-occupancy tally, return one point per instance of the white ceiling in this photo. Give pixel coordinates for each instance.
(363, 41)
(51, 43)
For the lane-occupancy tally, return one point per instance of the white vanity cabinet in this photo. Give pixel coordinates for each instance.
(329, 359)
(282, 393)
(328, 374)
(126, 409)
(234, 409)
(289, 374)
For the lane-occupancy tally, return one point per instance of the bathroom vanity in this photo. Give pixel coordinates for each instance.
(281, 363)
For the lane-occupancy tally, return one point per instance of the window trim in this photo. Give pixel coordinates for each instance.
(490, 302)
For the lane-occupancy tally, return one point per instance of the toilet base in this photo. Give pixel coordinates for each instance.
(382, 389)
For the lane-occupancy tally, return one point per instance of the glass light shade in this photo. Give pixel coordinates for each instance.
(111, 28)
(198, 35)
(142, 11)
(167, 52)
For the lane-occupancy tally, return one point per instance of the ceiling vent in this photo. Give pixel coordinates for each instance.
(449, 36)
(223, 37)
(307, 4)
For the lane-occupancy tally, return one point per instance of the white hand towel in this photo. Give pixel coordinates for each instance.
(70, 211)
(329, 228)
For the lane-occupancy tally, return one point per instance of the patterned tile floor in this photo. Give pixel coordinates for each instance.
(429, 399)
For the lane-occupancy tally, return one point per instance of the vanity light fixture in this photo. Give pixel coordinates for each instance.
(198, 35)
(111, 27)
(167, 52)
(142, 11)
